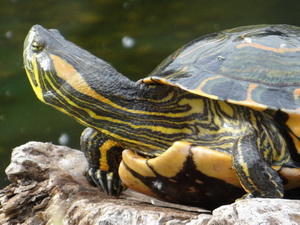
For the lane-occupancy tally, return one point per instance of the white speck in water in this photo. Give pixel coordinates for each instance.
(64, 139)
(128, 42)
(8, 93)
(126, 5)
(9, 34)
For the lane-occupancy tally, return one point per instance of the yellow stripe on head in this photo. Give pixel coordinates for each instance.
(33, 76)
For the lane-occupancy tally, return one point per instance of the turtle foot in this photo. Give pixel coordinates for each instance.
(107, 181)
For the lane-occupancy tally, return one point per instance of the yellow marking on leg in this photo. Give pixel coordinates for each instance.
(172, 160)
(128, 179)
(246, 178)
(104, 148)
(136, 163)
(215, 164)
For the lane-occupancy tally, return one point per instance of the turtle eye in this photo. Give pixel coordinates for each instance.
(37, 46)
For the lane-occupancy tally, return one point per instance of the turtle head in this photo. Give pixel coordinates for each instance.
(59, 70)
(37, 61)
(71, 79)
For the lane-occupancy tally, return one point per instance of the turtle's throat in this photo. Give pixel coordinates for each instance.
(124, 110)
(97, 96)
(107, 102)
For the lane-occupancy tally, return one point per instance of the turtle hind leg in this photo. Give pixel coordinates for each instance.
(255, 174)
(104, 157)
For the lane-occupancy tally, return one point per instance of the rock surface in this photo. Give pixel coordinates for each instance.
(48, 187)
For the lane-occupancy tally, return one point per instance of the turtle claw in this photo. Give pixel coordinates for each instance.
(109, 177)
(106, 181)
(94, 176)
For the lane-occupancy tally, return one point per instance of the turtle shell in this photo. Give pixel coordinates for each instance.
(253, 66)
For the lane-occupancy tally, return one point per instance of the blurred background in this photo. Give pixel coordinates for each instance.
(134, 36)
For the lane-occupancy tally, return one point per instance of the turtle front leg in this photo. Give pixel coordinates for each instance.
(104, 157)
(255, 174)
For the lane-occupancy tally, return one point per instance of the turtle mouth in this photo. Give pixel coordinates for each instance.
(30, 62)
(27, 55)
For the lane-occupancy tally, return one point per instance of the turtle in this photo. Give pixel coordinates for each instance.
(216, 121)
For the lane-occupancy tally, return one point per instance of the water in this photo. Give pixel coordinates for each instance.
(134, 36)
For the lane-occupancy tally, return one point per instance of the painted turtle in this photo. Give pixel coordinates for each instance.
(217, 119)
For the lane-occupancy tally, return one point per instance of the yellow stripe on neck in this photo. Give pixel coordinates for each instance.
(68, 73)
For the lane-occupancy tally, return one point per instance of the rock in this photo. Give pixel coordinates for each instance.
(48, 187)
(258, 211)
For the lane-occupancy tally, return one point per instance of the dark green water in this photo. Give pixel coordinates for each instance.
(155, 28)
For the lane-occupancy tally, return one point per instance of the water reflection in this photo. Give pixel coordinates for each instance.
(64, 139)
(128, 42)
